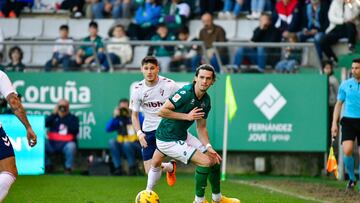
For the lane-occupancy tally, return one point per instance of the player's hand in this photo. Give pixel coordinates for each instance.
(334, 130)
(196, 114)
(214, 155)
(142, 140)
(31, 136)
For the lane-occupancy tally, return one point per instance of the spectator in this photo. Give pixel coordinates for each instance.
(232, 9)
(333, 86)
(126, 143)
(292, 57)
(184, 55)
(86, 55)
(163, 53)
(315, 23)
(16, 56)
(257, 7)
(213, 33)
(288, 16)
(117, 8)
(343, 16)
(118, 53)
(146, 17)
(62, 52)
(175, 15)
(63, 128)
(266, 32)
(74, 6)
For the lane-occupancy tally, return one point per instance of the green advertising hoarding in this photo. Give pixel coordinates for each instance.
(275, 112)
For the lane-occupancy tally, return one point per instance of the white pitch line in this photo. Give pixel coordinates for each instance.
(266, 187)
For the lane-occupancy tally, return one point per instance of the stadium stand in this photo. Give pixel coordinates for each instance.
(51, 28)
(12, 27)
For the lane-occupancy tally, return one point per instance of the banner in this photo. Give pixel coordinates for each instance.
(29, 160)
(275, 112)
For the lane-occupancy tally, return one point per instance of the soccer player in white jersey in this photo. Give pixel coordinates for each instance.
(149, 95)
(8, 171)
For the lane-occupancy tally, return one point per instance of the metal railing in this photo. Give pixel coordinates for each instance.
(218, 45)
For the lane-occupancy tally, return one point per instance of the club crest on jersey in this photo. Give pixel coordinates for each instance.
(162, 91)
(176, 97)
(202, 105)
(182, 92)
(146, 95)
(192, 102)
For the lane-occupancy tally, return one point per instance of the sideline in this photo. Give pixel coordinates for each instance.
(273, 189)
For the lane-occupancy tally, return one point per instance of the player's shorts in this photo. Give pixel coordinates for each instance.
(350, 129)
(6, 149)
(179, 150)
(147, 153)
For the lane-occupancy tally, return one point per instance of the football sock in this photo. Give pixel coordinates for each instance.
(216, 197)
(201, 175)
(349, 165)
(153, 176)
(214, 178)
(6, 180)
(167, 167)
(199, 199)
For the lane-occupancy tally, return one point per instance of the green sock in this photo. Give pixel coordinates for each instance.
(201, 175)
(214, 178)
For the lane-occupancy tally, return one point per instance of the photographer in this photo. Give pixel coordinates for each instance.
(62, 130)
(126, 143)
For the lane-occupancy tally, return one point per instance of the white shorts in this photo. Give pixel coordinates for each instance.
(181, 150)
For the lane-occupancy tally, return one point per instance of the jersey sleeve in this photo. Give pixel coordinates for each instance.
(5, 87)
(341, 93)
(179, 98)
(135, 100)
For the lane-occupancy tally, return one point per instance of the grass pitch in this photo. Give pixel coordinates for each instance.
(61, 188)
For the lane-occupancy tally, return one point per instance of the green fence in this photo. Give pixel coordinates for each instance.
(275, 112)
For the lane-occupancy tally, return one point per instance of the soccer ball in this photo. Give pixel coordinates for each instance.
(147, 196)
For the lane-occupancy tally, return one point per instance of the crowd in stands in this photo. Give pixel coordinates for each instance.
(323, 22)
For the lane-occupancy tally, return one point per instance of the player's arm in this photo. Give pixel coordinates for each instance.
(204, 139)
(336, 118)
(136, 124)
(19, 111)
(167, 111)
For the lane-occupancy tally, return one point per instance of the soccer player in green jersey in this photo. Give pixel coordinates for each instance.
(190, 103)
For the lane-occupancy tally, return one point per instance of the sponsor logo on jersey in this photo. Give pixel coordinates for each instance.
(176, 97)
(202, 105)
(192, 102)
(146, 95)
(182, 92)
(153, 104)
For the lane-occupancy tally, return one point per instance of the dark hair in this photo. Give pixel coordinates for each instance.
(64, 27)
(207, 67)
(16, 48)
(161, 25)
(111, 30)
(123, 100)
(330, 63)
(356, 60)
(93, 24)
(266, 15)
(149, 59)
(184, 30)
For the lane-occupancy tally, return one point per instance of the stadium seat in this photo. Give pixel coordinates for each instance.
(79, 28)
(41, 54)
(194, 28)
(29, 28)
(139, 53)
(51, 28)
(10, 27)
(229, 26)
(245, 29)
(104, 27)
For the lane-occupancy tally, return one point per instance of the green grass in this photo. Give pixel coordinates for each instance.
(60, 188)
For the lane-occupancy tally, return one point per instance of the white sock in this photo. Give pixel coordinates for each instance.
(6, 180)
(216, 197)
(167, 167)
(199, 199)
(153, 176)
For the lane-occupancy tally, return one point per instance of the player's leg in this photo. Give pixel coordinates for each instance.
(348, 138)
(69, 151)
(155, 170)
(8, 171)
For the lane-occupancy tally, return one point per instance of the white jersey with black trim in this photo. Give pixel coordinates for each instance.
(5, 85)
(150, 99)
